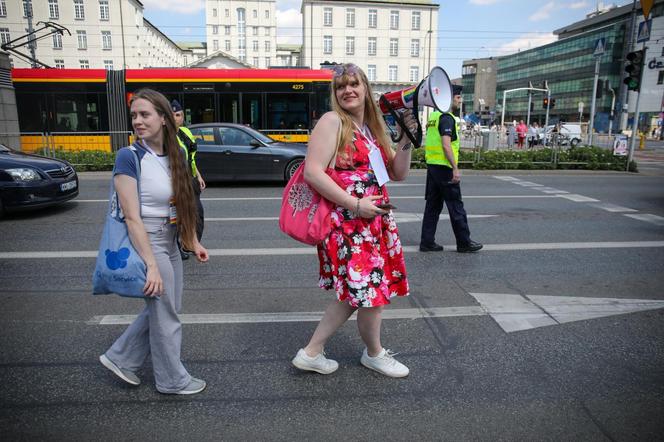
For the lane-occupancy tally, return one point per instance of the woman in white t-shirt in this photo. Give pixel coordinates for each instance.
(167, 211)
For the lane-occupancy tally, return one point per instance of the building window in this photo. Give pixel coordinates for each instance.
(350, 45)
(255, 46)
(414, 48)
(85, 64)
(57, 41)
(215, 45)
(660, 77)
(215, 29)
(267, 62)
(82, 39)
(255, 62)
(227, 13)
(415, 21)
(227, 30)
(394, 47)
(59, 63)
(255, 15)
(3, 8)
(104, 13)
(267, 31)
(267, 13)
(53, 9)
(350, 17)
(106, 40)
(214, 12)
(228, 45)
(394, 19)
(373, 18)
(392, 73)
(371, 72)
(327, 16)
(4, 35)
(267, 45)
(27, 8)
(372, 45)
(108, 65)
(414, 74)
(255, 29)
(79, 11)
(327, 44)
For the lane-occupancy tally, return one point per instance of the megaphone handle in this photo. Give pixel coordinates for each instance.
(417, 140)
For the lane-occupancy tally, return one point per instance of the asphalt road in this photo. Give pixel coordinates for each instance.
(516, 342)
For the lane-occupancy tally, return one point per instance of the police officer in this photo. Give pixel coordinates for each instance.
(188, 143)
(443, 178)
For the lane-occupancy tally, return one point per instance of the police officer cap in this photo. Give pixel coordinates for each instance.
(456, 89)
(176, 106)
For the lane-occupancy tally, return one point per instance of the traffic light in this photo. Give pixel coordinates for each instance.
(633, 69)
(553, 103)
(545, 103)
(600, 89)
(532, 107)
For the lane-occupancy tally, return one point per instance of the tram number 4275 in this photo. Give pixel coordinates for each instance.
(298, 87)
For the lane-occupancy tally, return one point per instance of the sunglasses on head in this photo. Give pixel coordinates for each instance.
(341, 69)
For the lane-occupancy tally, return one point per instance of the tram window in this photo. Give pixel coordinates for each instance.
(32, 115)
(77, 113)
(287, 111)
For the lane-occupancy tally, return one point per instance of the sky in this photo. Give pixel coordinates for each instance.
(466, 28)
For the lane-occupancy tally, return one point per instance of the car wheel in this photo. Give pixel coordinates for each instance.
(292, 167)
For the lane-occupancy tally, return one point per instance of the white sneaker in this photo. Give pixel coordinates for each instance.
(318, 363)
(385, 363)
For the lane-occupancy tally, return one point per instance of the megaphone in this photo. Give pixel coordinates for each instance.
(434, 91)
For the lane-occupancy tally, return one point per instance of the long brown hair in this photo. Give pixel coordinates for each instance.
(372, 115)
(180, 176)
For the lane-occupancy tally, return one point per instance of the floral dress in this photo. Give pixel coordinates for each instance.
(362, 259)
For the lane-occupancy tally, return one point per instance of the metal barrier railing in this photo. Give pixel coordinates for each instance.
(25, 141)
(77, 141)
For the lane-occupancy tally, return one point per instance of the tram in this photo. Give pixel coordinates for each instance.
(86, 109)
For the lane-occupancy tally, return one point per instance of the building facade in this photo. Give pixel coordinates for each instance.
(244, 29)
(479, 87)
(392, 41)
(102, 34)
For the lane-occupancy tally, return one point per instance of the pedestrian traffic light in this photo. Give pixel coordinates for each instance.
(553, 103)
(633, 69)
(532, 106)
(545, 103)
(600, 89)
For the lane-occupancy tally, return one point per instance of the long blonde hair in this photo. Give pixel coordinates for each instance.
(181, 178)
(372, 115)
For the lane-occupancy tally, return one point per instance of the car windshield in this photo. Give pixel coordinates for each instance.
(263, 138)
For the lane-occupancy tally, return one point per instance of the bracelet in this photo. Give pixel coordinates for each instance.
(357, 207)
(406, 146)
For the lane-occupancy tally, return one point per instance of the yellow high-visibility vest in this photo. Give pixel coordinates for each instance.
(433, 144)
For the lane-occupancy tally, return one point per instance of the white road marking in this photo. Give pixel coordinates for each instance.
(578, 198)
(647, 217)
(511, 312)
(551, 190)
(506, 178)
(286, 251)
(527, 184)
(613, 208)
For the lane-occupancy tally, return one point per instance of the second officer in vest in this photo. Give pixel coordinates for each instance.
(188, 144)
(443, 180)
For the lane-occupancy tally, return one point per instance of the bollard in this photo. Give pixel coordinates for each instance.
(642, 140)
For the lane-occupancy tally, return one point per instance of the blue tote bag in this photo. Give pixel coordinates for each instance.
(119, 268)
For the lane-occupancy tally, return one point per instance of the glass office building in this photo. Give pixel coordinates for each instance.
(568, 66)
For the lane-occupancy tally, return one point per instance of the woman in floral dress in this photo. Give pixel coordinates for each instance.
(361, 259)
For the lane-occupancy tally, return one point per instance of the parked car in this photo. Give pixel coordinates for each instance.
(33, 181)
(570, 134)
(228, 151)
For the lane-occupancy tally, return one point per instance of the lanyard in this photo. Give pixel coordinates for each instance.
(375, 158)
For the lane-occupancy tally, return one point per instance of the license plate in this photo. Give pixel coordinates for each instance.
(68, 186)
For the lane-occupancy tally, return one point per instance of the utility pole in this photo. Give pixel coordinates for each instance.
(635, 126)
(31, 40)
(624, 115)
(592, 105)
(613, 105)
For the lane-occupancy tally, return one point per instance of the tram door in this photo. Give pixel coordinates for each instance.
(229, 108)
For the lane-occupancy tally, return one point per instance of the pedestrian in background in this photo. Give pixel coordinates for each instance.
(167, 210)
(511, 134)
(187, 142)
(521, 131)
(361, 259)
(443, 180)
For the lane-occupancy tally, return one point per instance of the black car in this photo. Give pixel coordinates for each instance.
(32, 181)
(228, 152)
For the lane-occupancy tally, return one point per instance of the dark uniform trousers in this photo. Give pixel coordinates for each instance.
(439, 190)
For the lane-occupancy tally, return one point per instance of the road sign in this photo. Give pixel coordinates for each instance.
(646, 5)
(600, 47)
(620, 145)
(644, 31)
